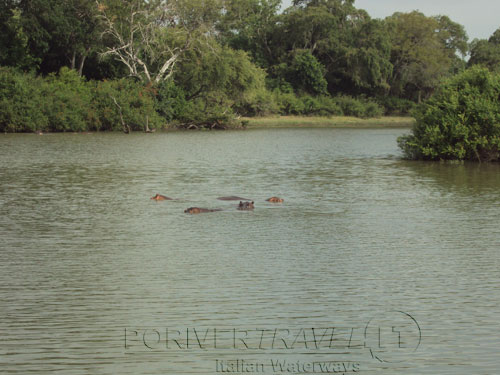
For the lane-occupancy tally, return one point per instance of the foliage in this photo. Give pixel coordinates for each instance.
(124, 104)
(170, 101)
(460, 121)
(395, 106)
(367, 64)
(149, 37)
(13, 39)
(206, 62)
(308, 105)
(306, 73)
(289, 103)
(251, 25)
(423, 52)
(354, 49)
(320, 106)
(66, 99)
(66, 102)
(218, 81)
(486, 52)
(60, 33)
(21, 107)
(258, 102)
(358, 107)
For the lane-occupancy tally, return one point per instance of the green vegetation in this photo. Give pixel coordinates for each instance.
(460, 122)
(79, 65)
(67, 102)
(486, 52)
(326, 122)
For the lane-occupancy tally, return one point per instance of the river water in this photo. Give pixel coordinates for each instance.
(372, 265)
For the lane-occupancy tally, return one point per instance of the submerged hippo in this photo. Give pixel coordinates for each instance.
(275, 200)
(232, 198)
(246, 205)
(198, 210)
(159, 197)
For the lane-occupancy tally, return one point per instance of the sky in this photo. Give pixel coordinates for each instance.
(479, 17)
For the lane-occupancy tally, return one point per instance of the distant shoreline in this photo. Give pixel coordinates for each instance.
(326, 122)
(275, 122)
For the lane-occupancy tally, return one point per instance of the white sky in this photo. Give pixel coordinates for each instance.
(479, 17)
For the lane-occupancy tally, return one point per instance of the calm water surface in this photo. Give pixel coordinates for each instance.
(402, 258)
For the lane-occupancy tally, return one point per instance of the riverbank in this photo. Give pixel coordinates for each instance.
(326, 122)
(273, 122)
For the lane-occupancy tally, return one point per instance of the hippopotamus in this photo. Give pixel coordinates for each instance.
(232, 198)
(275, 200)
(198, 210)
(246, 205)
(159, 197)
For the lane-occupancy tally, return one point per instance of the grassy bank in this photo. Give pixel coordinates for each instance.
(326, 122)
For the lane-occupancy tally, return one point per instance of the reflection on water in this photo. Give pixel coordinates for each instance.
(85, 254)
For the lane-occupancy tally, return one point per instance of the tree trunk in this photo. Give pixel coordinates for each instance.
(126, 128)
(82, 62)
(146, 127)
(73, 60)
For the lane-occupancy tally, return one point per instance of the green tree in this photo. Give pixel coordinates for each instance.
(364, 57)
(60, 33)
(217, 81)
(67, 99)
(307, 74)
(126, 105)
(253, 26)
(21, 104)
(460, 121)
(13, 39)
(423, 52)
(354, 49)
(486, 52)
(150, 36)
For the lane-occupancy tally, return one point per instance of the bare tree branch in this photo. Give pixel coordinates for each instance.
(145, 39)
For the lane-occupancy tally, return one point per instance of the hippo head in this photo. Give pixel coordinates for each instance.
(275, 200)
(246, 205)
(159, 197)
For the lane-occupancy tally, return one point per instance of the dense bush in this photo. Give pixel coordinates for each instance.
(66, 102)
(461, 121)
(307, 74)
(259, 102)
(124, 104)
(21, 106)
(324, 105)
(358, 107)
(321, 106)
(396, 106)
(170, 100)
(217, 83)
(288, 103)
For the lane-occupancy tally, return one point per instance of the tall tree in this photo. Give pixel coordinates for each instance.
(486, 52)
(424, 50)
(60, 33)
(252, 25)
(150, 36)
(353, 48)
(13, 39)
